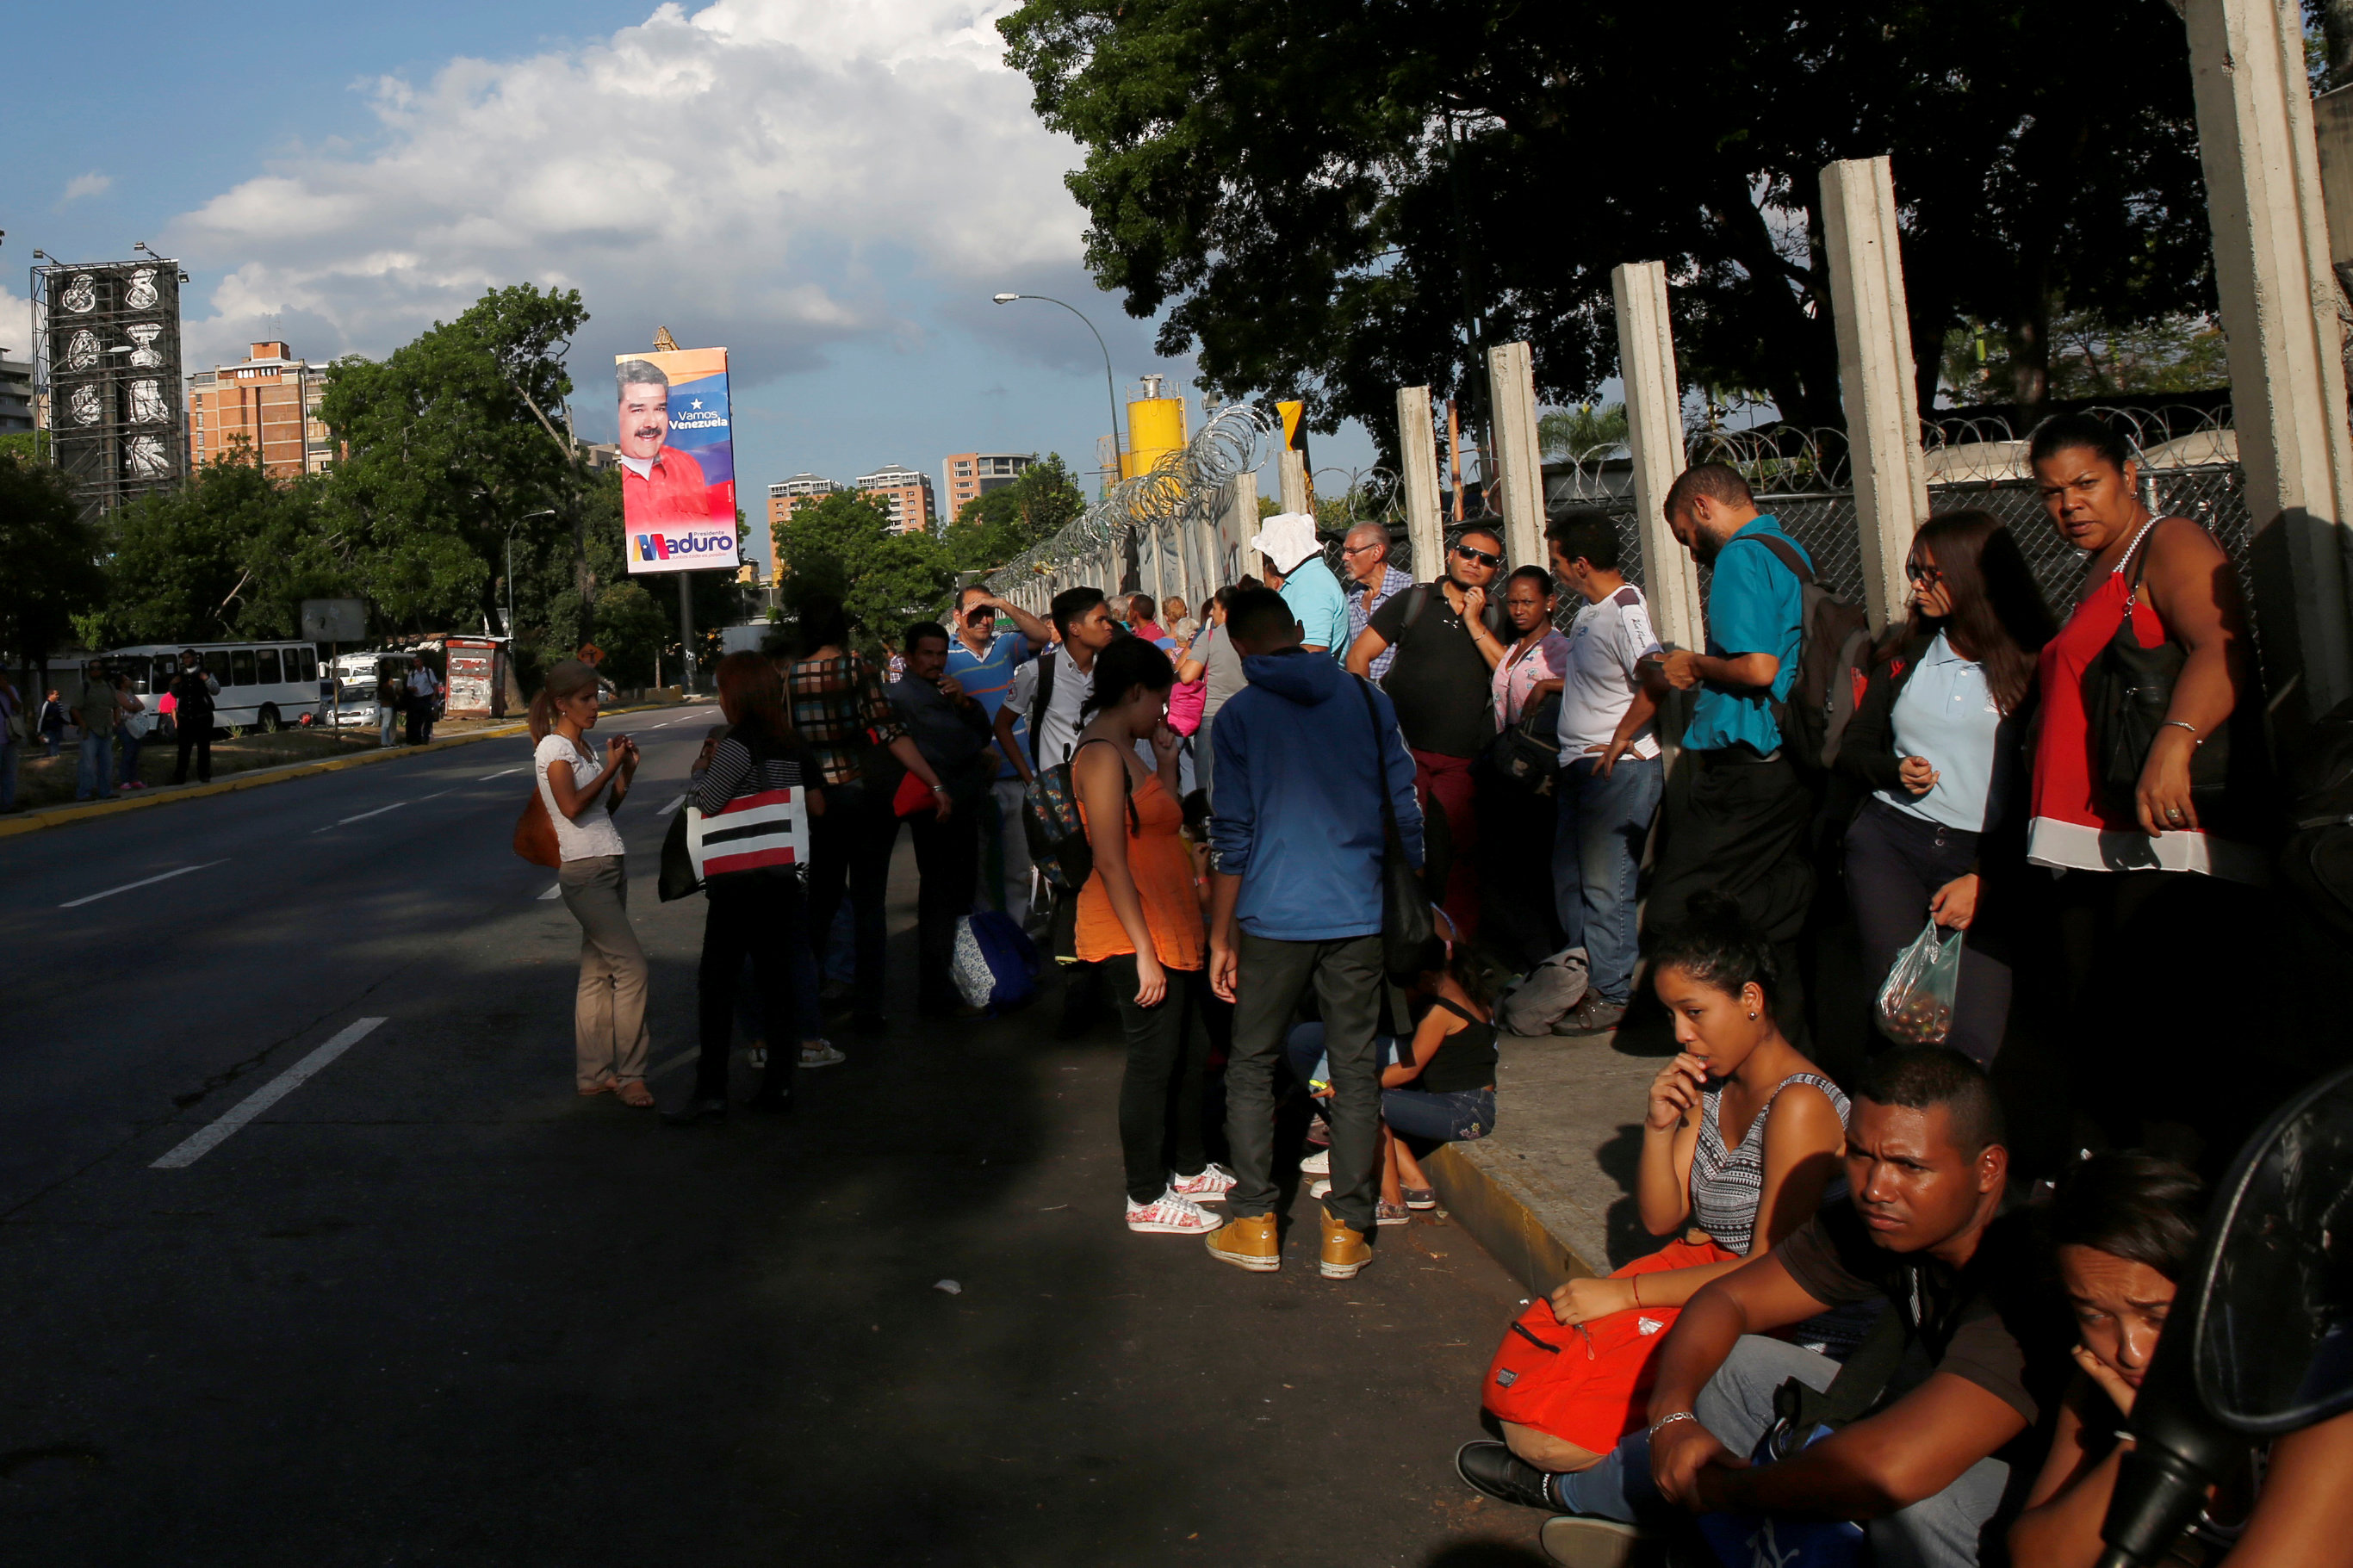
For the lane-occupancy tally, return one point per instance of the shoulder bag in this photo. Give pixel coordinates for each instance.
(2127, 690)
(1406, 930)
(534, 834)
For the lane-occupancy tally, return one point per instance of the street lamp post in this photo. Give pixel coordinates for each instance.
(1109, 392)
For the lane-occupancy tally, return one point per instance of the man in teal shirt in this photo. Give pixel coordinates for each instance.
(1296, 569)
(1736, 810)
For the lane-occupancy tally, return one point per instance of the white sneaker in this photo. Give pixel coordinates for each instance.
(1319, 1164)
(821, 1054)
(1321, 1189)
(1209, 1186)
(1169, 1214)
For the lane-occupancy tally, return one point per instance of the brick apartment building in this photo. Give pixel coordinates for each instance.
(271, 401)
(787, 497)
(905, 493)
(971, 475)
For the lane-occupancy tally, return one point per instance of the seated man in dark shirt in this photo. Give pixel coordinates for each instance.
(1983, 1346)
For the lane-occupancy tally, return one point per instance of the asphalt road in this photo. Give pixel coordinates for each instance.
(431, 1307)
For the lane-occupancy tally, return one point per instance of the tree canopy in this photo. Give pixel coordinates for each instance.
(991, 529)
(1332, 199)
(54, 572)
(843, 546)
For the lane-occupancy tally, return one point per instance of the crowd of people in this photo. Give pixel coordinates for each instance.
(1299, 844)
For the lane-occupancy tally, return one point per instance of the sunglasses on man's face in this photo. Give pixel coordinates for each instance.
(1481, 556)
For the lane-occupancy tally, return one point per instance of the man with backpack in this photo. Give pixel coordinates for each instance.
(1310, 770)
(1050, 692)
(1737, 808)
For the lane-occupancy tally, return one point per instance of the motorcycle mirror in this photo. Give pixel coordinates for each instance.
(2275, 1296)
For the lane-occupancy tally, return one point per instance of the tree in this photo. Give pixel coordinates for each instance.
(991, 529)
(229, 555)
(53, 572)
(843, 546)
(633, 627)
(2089, 357)
(1570, 434)
(1336, 199)
(824, 545)
(448, 440)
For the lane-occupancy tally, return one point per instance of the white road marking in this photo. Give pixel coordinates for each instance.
(555, 893)
(194, 1149)
(437, 794)
(143, 882)
(379, 810)
(502, 774)
(673, 806)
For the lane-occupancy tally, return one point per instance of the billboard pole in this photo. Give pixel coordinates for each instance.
(685, 632)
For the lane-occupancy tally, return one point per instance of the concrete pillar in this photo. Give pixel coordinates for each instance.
(1519, 457)
(1294, 483)
(2286, 345)
(1654, 427)
(1418, 465)
(1875, 371)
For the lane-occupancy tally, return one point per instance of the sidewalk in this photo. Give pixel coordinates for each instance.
(1550, 1193)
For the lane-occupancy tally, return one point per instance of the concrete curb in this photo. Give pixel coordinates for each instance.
(254, 778)
(1486, 1199)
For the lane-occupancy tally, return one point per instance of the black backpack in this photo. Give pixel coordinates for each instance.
(1833, 665)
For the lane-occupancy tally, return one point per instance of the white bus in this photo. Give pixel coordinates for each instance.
(263, 685)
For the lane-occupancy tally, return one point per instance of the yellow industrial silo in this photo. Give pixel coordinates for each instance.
(1155, 430)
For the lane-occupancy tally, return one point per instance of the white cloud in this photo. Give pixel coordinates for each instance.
(91, 185)
(767, 169)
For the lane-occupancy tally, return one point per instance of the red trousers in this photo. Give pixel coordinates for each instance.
(1447, 781)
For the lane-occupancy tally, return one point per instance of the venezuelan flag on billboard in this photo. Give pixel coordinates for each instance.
(677, 460)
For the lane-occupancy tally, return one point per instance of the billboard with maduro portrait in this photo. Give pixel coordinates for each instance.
(677, 461)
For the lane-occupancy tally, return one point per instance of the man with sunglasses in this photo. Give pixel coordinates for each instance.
(1446, 646)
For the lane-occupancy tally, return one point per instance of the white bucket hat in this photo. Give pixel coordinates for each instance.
(1286, 539)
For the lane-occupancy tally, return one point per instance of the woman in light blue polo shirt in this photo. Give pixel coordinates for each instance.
(1938, 740)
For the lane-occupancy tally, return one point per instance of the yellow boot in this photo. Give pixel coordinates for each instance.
(1344, 1250)
(1247, 1243)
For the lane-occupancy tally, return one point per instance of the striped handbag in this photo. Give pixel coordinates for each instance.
(767, 831)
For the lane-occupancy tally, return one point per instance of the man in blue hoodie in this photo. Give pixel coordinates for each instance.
(1304, 755)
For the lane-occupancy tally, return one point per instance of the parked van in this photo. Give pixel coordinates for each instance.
(263, 685)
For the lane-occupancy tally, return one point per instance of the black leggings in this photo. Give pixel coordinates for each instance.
(947, 857)
(757, 915)
(1894, 864)
(1160, 1092)
(851, 843)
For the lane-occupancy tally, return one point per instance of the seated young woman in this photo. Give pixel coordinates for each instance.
(1741, 1140)
(1438, 1087)
(2124, 1231)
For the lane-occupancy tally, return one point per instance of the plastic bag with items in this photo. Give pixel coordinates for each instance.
(1915, 1005)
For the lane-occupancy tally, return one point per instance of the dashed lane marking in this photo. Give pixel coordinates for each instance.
(195, 1147)
(555, 893)
(143, 882)
(500, 774)
(673, 806)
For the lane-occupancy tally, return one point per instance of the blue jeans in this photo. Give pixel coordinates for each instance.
(1597, 854)
(1451, 1118)
(94, 770)
(128, 768)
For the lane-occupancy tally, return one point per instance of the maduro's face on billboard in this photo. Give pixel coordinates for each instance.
(645, 418)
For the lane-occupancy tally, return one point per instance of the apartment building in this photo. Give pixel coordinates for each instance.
(15, 395)
(905, 493)
(787, 497)
(971, 475)
(267, 406)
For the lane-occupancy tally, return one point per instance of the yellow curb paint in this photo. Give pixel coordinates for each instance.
(67, 816)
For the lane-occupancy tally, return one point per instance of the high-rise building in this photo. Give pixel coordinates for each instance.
(972, 475)
(267, 406)
(903, 492)
(15, 393)
(787, 497)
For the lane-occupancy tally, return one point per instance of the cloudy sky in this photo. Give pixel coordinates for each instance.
(832, 189)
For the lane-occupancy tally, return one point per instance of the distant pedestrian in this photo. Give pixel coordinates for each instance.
(1212, 661)
(193, 693)
(983, 662)
(1306, 758)
(391, 699)
(610, 1036)
(53, 721)
(1737, 809)
(757, 914)
(15, 728)
(131, 731)
(951, 731)
(98, 710)
(424, 690)
(1295, 568)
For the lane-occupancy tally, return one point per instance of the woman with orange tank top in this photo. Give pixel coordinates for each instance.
(1140, 918)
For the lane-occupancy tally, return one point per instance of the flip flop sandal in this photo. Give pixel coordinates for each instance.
(634, 1092)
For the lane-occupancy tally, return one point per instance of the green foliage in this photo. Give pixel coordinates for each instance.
(25, 446)
(991, 529)
(2092, 358)
(632, 626)
(1340, 199)
(230, 555)
(53, 572)
(1569, 433)
(842, 546)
